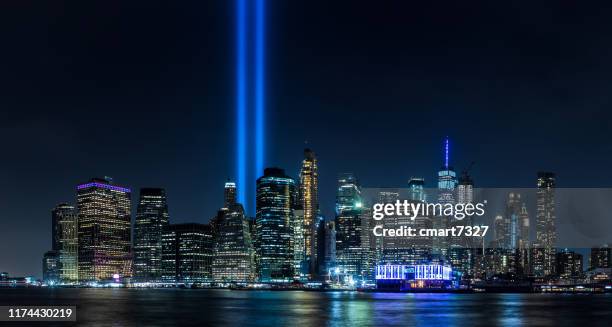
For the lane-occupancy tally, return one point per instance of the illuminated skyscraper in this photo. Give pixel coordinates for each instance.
(447, 183)
(512, 221)
(369, 243)
(234, 257)
(380, 243)
(51, 270)
(465, 189)
(524, 243)
(500, 232)
(151, 219)
(229, 194)
(65, 241)
(416, 187)
(309, 198)
(349, 230)
(524, 221)
(461, 248)
(546, 232)
(447, 179)
(300, 265)
(601, 257)
(187, 253)
(104, 230)
(569, 264)
(276, 196)
(327, 246)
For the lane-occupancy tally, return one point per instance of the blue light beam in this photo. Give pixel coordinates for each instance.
(241, 78)
(260, 85)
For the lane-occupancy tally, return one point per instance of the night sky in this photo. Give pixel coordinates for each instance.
(144, 92)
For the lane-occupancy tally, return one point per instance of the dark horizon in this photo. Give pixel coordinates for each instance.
(144, 92)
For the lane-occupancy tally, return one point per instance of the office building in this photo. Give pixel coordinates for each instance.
(65, 241)
(234, 254)
(300, 265)
(151, 219)
(50, 268)
(187, 253)
(276, 196)
(349, 229)
(546, 232)
(416, 187)
(309, 200)
(569, 264)
(229, 194)
(600, 257)
(104, 231)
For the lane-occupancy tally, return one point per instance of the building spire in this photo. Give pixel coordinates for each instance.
(446, 153)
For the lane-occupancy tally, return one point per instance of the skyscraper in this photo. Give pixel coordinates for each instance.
(349, 246)
(524, 243)
(327, 251)
(447, 183)
(151, 219)
(524, 221)
(465, 189)
(309, 198)
(447, 179)
(461, 252)
(601, 257)
(546, 232)
(104, 230)
(234, 257)
(300, 265)
(65, 241)
(51, 271)
(229, 194)
(187, 253)
(416, 187)
(569, 264)
(276, 196)
(499, 226)
(512, 221)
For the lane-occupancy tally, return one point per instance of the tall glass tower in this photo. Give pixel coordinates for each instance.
(309, 198)
(447, 182)
(276, 195)
(349, 246)
(151, 219)
(447, 179)
(546, 232)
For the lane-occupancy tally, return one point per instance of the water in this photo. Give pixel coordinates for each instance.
(184, 307)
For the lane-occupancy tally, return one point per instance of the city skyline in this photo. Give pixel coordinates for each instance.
(103, 208)
(153, 106)
(229, 196)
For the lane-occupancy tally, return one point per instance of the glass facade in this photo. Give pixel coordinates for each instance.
(351, 248)
(151, 218)
(546, 232)
(234, 257)
(276, 196)
(309, 200)
(187, 253)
